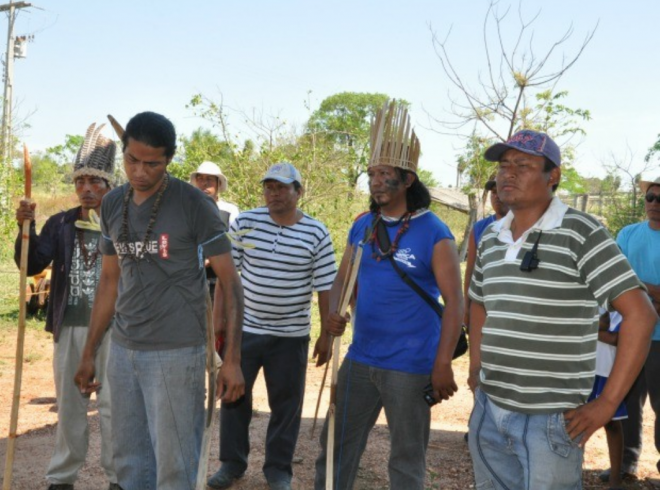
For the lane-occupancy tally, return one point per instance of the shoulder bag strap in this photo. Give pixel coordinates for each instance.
(384, 241)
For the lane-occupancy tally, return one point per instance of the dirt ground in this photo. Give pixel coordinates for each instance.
(448, 459)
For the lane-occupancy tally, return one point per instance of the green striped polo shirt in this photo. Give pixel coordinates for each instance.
(538, 348)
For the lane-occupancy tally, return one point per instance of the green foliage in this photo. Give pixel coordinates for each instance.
(623, 210)
(653, 151)
(610, 184)
(65, 153)
(202, 145)
(427, 178)
(473, 165)
(327, 195)
(344, 120)
(455, 220)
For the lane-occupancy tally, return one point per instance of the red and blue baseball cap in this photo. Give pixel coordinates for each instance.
(527, 141)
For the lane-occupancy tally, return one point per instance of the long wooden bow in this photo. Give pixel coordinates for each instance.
(346, 294)
(213, 364)
(18, 370)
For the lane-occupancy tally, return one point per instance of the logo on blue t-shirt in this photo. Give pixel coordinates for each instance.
(405, 257)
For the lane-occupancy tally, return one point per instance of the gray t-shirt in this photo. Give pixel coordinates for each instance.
(161, 301)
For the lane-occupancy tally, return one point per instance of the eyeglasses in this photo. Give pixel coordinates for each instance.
(650, 197)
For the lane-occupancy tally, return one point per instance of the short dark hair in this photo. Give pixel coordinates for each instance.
(549, 166)
(417, 195)
(152, 129)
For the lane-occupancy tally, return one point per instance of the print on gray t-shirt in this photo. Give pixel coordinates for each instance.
(161, 301)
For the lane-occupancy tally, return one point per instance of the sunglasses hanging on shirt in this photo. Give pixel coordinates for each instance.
(530, 260)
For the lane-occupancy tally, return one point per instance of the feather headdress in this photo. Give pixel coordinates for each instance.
(393, 141)
(96, 155)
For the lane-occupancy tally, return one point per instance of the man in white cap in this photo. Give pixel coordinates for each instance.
(292, 257)
(209, 179)
(640, 243)
(69, 240)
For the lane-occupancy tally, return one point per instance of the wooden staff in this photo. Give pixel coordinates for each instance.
(347, 292)
(327, 364)
(18, 370)
(213, 363)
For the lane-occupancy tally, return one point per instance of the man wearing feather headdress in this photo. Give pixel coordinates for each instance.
(69, 241)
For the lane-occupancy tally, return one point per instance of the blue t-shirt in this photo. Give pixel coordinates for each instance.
(480, 226)
(394, 328)
(641, 245)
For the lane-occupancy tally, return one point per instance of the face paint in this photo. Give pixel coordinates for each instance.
(392, 184)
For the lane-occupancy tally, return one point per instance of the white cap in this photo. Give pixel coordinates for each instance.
(283, 172)
(210, 168)
(646, 184)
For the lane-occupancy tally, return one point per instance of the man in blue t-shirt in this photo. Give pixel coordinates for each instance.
(499, 209)
(399, 342)
(640, 243)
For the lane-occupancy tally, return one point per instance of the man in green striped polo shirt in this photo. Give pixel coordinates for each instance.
(539, 276)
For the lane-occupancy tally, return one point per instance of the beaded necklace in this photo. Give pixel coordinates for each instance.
(376, 249)
(123, 236)
(89, 262)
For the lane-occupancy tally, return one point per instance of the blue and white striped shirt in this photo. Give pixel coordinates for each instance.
(280, 273)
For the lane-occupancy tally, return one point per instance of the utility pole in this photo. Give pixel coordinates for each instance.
(5, 134)
(5, 137)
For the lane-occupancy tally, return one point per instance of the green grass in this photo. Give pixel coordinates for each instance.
(9, 305)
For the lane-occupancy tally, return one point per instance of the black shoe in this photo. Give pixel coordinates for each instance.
(223, 478)
(60, 486)
(279, 485)
(114, 486)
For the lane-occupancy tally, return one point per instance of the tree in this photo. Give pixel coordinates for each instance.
(427, 178)
(516, 92)
(245, 159)
(202, 145)
(627, 207)
(344, 119)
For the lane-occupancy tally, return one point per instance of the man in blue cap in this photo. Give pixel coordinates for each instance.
(284, 255)
(539, 276)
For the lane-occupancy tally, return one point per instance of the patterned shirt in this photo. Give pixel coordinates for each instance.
(279, 274)
(538, 346)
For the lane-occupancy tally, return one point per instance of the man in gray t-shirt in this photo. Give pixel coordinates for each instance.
(156, 230)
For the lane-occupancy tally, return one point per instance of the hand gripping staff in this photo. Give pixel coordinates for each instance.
(18, 370)
(345, 298)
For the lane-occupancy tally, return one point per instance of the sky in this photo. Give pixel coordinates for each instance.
(92, 58)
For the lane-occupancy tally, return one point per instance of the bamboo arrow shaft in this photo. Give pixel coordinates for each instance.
(347, 293)
(20, 342)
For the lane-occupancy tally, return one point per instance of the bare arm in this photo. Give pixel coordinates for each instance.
(229, 291)
(639, 319)
(469, 269)
(477, 320)
(448, 276)
(334, 324)
(102, 312)
(219, 317)
(322, 346)
(653, 291)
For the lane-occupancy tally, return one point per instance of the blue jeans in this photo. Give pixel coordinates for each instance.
(645, 385)
(157, 416)
(517, 451)
(362, 391)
